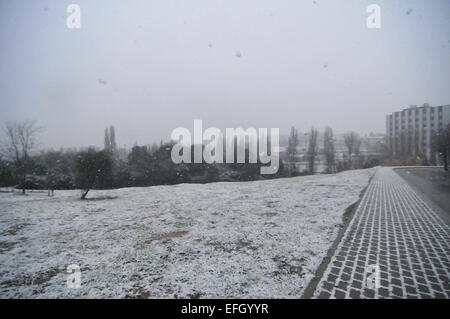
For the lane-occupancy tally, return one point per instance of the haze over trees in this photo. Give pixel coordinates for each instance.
(352, 142)
(22, 165)
(291, 151)
(312, 150)
(329, 150)
(110, 140)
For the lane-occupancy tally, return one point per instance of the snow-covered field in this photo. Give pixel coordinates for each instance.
(259, 239)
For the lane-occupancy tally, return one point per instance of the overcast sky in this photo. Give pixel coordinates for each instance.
(148, 67)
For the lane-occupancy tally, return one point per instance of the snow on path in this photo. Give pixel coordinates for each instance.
(260, 239)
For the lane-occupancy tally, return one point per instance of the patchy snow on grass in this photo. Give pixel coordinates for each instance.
(262, 239)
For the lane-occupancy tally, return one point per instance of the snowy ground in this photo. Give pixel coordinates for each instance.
(259, 239)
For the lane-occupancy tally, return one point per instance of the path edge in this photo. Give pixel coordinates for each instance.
(347, 217)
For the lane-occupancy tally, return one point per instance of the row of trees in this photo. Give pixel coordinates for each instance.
(19, 142)
(410, 148)
(23, 166)
(352, 142)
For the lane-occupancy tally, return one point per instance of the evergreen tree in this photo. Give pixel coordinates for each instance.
(112, 139)
(92, 168)
(291, 150)
(107, 142)
(312, 150)
(329, 150)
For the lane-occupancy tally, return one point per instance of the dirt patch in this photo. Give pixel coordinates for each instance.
(99, 198)
(293, 266)
(269, 214)
(13, 230)
(271, 204)
(28, 280)
(6, 246)
(232, 247)
(271, 224)
(166, 236)
(139, 293)
(195, 295)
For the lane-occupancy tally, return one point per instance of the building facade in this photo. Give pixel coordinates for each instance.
(410, 131)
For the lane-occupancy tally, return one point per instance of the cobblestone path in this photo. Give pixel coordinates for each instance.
(396, 246)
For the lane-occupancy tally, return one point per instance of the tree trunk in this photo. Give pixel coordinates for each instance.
(24, 179)
(349, 160)
(83, 195)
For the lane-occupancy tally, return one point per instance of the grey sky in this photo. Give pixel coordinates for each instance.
(150, 66)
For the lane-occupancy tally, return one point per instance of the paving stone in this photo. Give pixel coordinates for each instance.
(339, 294)
(396, 231)
(355, 294)
(397, 291)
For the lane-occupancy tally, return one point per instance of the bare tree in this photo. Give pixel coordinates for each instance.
(329, 149)
(291, 150)
(312, 150)
(19, 142)
(352, 142)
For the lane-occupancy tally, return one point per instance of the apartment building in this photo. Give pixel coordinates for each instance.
(410, 131)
